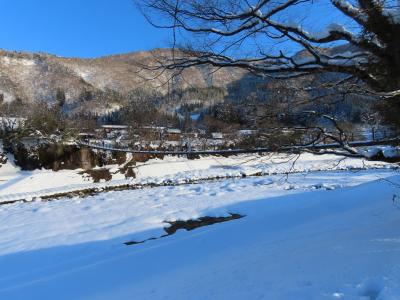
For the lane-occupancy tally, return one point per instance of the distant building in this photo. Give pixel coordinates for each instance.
(217, 135)
(152, 132)
(86, 137)
(114, 131)
(174, 134)
(111, 128)
(174, 131)
(246, 132)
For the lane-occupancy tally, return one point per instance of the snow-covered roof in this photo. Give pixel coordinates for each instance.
(217, 135)
(174, 130)
(246, 132)
(115, 126)
(153, 127)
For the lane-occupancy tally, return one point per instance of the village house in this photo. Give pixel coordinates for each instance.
(114, 131)
(173, 134)
(217, 135)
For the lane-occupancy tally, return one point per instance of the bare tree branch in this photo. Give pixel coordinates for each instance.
(374, 58)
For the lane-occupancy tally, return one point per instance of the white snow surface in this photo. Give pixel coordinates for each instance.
(386, 151)
(315, 235)
(16, 184)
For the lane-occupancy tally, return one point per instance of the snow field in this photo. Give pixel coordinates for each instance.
(323, 235)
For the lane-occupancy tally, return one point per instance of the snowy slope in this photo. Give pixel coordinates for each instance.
(322, 235)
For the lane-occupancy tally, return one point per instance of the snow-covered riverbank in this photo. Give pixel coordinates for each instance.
(18, 185)
(321, 235)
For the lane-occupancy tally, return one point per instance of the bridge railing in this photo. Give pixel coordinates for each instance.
(394, 141)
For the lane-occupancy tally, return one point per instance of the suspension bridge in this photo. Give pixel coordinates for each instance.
(356, 144)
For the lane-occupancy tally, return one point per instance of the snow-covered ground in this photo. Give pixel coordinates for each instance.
(16, 184)
(327, 230)
(321, 235)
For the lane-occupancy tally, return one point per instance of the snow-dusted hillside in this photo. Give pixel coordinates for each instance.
(38, 76)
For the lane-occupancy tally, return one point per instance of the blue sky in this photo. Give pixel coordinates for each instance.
(79, 28)
(93, 28)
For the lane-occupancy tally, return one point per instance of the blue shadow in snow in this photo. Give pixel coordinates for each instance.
(103, 269)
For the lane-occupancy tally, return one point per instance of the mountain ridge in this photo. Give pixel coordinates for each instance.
(30, 76)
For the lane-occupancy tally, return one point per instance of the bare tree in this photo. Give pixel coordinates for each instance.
(368, 49)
